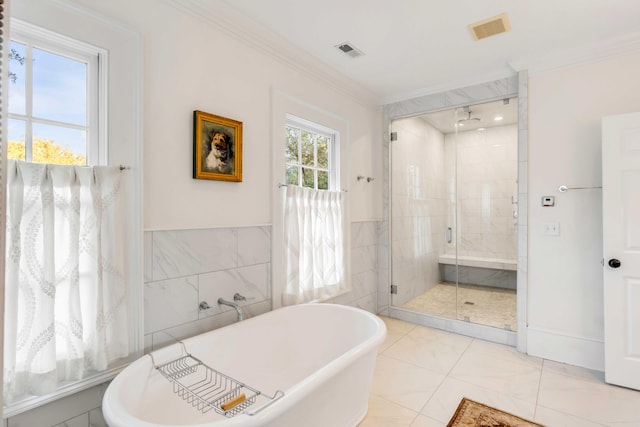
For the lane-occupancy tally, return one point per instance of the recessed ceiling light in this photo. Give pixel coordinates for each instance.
(498, 118)
(482, 128)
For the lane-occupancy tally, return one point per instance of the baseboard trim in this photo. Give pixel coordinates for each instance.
(571, 349)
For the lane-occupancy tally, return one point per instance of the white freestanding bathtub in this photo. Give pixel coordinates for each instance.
(311, 364)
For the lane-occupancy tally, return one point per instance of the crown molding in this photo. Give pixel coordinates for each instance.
(585, 54)
(249, 32)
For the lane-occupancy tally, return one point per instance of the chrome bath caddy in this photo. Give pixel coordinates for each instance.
(205, 388)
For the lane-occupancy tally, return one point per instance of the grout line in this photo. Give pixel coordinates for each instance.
(535, 407)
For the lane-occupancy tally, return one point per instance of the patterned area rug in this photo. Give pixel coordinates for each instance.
(474, 414)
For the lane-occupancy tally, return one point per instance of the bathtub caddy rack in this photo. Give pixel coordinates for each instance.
(206, 388)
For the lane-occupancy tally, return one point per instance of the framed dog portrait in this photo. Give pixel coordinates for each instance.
(217, 147)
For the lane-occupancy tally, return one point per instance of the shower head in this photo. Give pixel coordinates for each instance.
(469, 118)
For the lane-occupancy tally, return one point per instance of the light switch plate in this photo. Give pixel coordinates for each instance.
(552, 229)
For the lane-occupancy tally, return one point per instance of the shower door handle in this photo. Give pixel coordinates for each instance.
(449, 235)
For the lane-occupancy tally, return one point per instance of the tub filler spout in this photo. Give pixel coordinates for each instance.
(235, 306)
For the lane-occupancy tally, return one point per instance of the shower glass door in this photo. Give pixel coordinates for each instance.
(453, 204)
(422, 220)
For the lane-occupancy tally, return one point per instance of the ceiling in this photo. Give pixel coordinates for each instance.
(416, 47)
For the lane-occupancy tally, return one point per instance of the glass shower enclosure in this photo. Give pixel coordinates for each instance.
(453, 201)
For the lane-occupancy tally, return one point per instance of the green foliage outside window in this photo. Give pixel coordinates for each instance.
(307, 158)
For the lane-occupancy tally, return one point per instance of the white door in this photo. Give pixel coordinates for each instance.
(621, 228)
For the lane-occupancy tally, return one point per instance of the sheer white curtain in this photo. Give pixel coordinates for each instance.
(65, 301)
(314, 245)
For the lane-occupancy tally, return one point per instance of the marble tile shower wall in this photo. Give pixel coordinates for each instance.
(487, 174)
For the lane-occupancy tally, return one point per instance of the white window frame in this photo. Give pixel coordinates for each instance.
(334, 150)
(284, 107)
(97, 61)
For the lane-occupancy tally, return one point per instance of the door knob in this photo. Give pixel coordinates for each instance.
(614, 263)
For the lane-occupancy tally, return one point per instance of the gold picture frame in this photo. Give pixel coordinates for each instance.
(217, 147)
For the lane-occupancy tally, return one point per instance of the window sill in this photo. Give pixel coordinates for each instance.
(69, 389)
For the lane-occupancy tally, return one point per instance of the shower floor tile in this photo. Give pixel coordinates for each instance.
(478, 304)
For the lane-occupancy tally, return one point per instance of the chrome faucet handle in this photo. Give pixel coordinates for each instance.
(237, 297)
(204, 306)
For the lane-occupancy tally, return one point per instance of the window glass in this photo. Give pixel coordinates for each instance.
(308, 157)
(323, 151)
(292, 175)
(59, 145)
(16, 133)
(17, 77)
(49, 103)
(308, 178)
(307, 152)
(293, 136)
(323, 180)
(59, 88)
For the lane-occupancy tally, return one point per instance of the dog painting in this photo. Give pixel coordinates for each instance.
(220, 157)
(217, 147)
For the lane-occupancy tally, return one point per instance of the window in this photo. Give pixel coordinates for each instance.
(310, 155)
(54, 107)
(301, 131)
(58, 94)
(314, 215)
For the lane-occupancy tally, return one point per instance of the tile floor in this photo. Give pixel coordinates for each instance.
(479, 304)
(422, 373)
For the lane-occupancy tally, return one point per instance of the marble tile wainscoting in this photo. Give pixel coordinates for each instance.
(186, 267)
(364, 268)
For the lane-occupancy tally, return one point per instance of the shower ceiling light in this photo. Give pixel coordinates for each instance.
(480, 129)
(498, 118)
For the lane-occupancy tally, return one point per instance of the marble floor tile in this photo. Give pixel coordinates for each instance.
(383, 413)
(499, 369)
(433, 370)
(396, 329)
(446, 399)
(573, 371)
(599, 402)
(552, 418)
(403, 383)
(428, 348)
(422, 421)
(395, 325)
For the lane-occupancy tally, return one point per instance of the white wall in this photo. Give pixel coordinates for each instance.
(189, 64)
(565, 306)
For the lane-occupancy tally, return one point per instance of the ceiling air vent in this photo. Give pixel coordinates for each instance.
(490, 27)
(350, 50)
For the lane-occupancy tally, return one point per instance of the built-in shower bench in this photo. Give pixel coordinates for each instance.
(494, 272)
(472, 261)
